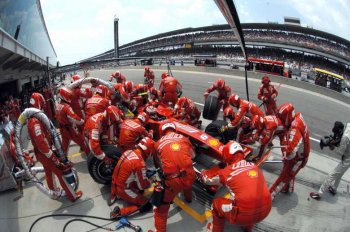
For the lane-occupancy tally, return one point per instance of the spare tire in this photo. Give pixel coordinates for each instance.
(211, 110)
(99, 171)
(214, 127)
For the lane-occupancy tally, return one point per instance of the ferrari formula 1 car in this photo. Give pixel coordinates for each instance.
(203, 142)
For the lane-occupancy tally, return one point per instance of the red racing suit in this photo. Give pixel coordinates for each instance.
(121, 95)
(95, 105)
(121, 79)
(77, 103)
(223, 94)
(250, 200)
(95, 128)
(189, 114)
(272, 126)
(170, 89)
(131, 132)
(174, 154)
(248, 109)
(51, 163)
(139, 96)
(68, 121)
(149, 78)
(295, 155)
(268, 95)
(129, 177)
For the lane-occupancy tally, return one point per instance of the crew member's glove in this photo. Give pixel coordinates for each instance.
(150, 173)
(206, 94)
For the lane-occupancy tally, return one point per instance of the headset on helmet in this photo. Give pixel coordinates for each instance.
(147, 146)
(234, 99)
(229, 113)
(102, 91)
(220, 83)
(164, 75)
(286, 113)
(265, 80)
(76, 77)
(232, 152)
(166, 126)
(37, 101)
(65, 94)
(143, 117)
(257, 122)
(113, 115)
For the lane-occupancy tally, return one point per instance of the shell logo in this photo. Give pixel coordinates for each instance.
(175, 147)
(213, 142)
(253, 173)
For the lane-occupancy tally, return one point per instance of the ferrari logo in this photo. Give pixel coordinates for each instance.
(93, 110)
(213, 142)
(175, 147)
(253, 173)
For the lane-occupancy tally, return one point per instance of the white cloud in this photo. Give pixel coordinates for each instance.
(332, 17)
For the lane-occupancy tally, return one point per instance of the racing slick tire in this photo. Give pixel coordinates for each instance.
(211, 110)
(214, 127)
(99, 171)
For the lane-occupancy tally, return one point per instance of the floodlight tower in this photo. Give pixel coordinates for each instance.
(116, 37)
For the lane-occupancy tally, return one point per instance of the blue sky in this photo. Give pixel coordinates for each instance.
(83, 28)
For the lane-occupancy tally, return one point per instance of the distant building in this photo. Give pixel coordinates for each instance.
(25, 46)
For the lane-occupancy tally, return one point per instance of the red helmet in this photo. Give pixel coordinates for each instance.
(129, 85)
(232, 152)
(102, 91)
(146, 69)
(166, 126)
(65, 94)
(76, 77)
(116, 74)
(220, 83)
(229, 113)
(37, 101)
(164, 75)
(143, 117)
(234, 100)
(286, 113)
(113, 115)
(147, 146)
(265, 80)
(257, 122)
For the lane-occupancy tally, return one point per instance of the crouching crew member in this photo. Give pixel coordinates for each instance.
(130, 179)
(250, 200)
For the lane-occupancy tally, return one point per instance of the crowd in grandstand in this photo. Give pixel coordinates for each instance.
(290, 38)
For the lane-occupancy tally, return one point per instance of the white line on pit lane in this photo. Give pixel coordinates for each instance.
(313, 139)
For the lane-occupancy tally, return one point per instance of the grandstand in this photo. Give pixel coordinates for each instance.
(301, 48)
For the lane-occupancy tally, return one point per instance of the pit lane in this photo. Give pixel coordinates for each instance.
(292, 212)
